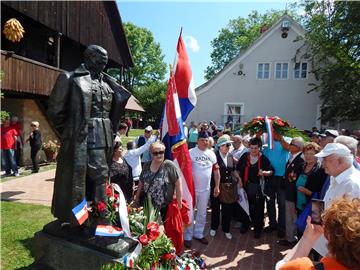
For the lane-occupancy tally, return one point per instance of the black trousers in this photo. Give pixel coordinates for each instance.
(228, 212)
(256, 205)
(33, 154)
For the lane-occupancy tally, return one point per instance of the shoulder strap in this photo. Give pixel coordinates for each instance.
(319, 266)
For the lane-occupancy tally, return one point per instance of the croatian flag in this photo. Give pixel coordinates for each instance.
(270, 132)
(80, 211)
(108, 230)
(173, 137)
(183, 79)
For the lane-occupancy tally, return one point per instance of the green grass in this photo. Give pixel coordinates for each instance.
(133, 134)
(19, 222)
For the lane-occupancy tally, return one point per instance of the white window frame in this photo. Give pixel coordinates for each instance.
(307, 70)
(257, 70)
(242, 109)
(281, 70)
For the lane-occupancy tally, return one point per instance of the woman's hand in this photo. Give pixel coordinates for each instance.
(216, 191)
(312, 231)
(305, 191)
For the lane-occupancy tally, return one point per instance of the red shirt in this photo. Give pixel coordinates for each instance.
(8, 135)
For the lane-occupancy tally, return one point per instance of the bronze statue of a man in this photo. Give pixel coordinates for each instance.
(85, 108)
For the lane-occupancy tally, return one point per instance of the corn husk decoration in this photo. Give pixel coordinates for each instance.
(13, 30)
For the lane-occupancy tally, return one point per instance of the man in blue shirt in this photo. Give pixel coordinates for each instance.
(275, 188)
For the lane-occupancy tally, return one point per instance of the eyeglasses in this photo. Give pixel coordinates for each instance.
(158, 153)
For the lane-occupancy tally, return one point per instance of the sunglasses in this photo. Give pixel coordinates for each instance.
(158, 153)
(32, 125)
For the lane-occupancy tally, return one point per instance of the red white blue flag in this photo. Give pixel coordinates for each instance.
(180, 100)
(270, 132)
(109, 230)
(184, 80)
(81, 212)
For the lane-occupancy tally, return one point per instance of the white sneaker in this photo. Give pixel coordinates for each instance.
(228, 235)
(212, 233)
(16, 174)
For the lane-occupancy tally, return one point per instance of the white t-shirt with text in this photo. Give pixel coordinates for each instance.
(202, 166)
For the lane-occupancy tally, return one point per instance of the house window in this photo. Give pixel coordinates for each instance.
(300, 70)
(263, 72)
(281, 71)
(233, 113)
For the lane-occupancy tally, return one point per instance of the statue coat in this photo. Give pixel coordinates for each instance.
(69, 111)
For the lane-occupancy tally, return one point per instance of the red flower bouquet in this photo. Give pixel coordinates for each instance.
(280, 126)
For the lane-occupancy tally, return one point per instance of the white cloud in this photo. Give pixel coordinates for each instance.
(191, 43)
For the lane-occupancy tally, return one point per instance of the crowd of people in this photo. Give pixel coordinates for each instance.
(284, 179)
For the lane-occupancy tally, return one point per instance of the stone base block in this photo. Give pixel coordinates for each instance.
(71, 253)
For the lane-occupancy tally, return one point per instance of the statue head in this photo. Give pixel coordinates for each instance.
(95, 58)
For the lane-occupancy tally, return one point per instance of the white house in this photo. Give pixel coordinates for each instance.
(269, 78)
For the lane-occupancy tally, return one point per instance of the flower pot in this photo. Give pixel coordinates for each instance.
(50, 156)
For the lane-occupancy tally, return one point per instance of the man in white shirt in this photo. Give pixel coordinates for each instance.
(203, 165)
(133, 156)
(239, 148)
(345, 179)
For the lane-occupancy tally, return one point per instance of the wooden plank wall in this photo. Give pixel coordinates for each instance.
(23, 75)
(86, 22)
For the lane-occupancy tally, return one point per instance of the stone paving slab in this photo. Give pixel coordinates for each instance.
(241, 252)
(36, 188)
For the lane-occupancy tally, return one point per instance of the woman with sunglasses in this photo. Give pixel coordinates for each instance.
(254, 168)
(229, 179)
(160, 180)
(35, 145)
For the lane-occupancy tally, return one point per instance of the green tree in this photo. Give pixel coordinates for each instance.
(333, 44)
(152, 98)
(149, 65)
(239, 34)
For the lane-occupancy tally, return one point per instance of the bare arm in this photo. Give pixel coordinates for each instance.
(138, 193)
(283, 143)
(237, 176)
(217, 182)
(306, 243)
(178, 191)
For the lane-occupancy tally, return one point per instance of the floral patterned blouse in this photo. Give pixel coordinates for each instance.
(161, 184)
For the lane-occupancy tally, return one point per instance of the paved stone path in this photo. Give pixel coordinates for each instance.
(241, 252)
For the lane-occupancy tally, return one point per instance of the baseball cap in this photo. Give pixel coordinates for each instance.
(148, 128)
(332, 133)
(315, 134)
(203, 134)
(334, 148)
(220, 128)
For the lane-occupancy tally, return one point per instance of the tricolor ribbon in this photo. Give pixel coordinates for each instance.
(270, 132)
(124, 220)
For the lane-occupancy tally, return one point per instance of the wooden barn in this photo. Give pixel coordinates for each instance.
(56, 34)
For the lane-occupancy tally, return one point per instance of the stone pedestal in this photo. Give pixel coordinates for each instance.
(56, 247)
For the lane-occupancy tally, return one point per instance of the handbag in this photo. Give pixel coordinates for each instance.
(228, 193)
(301, 220)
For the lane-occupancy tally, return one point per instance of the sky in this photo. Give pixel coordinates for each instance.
(201, 22)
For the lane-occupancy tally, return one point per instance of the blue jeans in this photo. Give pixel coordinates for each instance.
(275, 191)
(10, 161)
